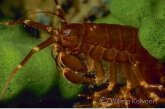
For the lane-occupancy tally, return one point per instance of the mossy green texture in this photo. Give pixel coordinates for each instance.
(31, 77)
(67, 89)
(38, 75)
(108, 19)
(152, 37)
(133, 12)
(149, 17)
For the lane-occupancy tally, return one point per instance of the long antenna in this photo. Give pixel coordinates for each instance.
(61, 14)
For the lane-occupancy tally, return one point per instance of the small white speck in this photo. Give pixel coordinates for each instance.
(26, 21)
(49, 29)
(58, 7)
(36, 48)
(19, 66)
(63, 20)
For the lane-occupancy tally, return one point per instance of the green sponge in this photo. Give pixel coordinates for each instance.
(148, 16)
(35, 76)
(132, 12)
(109, 20)
(38, 76)
(152, 37)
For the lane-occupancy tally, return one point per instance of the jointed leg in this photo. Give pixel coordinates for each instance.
(135, 61)
(34, 50)
(99, 71)
(129, 83)
(76, 78)
(144, 84)
(38, 25)
(112, 83)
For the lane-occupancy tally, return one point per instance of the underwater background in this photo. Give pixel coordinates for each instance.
(44, 88)
(38, 84)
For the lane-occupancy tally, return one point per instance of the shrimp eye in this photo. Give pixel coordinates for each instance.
(67, 32)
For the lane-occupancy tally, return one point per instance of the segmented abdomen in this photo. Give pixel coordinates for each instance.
(106, 39)
(116, 43)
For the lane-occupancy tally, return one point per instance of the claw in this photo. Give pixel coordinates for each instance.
(71, 62)
(77, 79)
